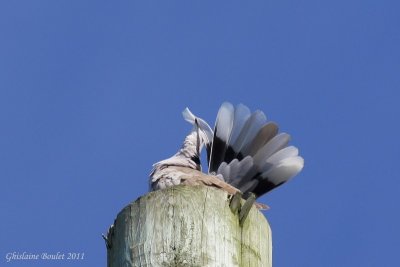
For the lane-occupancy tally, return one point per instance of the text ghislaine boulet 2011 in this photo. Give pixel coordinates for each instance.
(57, 256)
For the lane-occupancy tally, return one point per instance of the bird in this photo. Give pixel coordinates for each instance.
(246, 154)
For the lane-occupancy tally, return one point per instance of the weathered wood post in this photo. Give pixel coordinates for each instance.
(187, 226)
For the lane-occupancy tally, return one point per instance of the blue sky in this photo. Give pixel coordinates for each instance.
(91, 94)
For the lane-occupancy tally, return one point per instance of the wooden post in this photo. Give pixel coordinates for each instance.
(187, 226)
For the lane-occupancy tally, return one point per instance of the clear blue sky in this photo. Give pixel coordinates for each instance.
(91, 94)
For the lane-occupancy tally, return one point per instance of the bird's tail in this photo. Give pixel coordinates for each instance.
(248, 151)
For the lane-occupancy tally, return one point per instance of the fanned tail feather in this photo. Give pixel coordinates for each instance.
(247, 133)
(265, 134)
(249, 153)
(222, 131)
(241, 115)
(246, 151)
(236, 171)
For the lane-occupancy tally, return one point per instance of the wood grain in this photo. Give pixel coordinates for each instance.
(188, 226)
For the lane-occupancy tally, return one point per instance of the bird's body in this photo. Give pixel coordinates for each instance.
(175, 175)
(245, 153)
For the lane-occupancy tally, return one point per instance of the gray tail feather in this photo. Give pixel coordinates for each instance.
(249, 153)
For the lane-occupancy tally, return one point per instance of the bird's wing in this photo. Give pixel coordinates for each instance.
(207, 132)
(193, 177)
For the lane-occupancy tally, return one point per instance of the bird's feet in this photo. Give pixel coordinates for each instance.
(235, 206)
(245, 209)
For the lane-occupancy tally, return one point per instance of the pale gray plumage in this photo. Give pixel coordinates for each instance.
(187, 156)
(184, 167)
(244, 150)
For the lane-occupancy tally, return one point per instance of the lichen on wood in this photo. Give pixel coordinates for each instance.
(188, 226)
